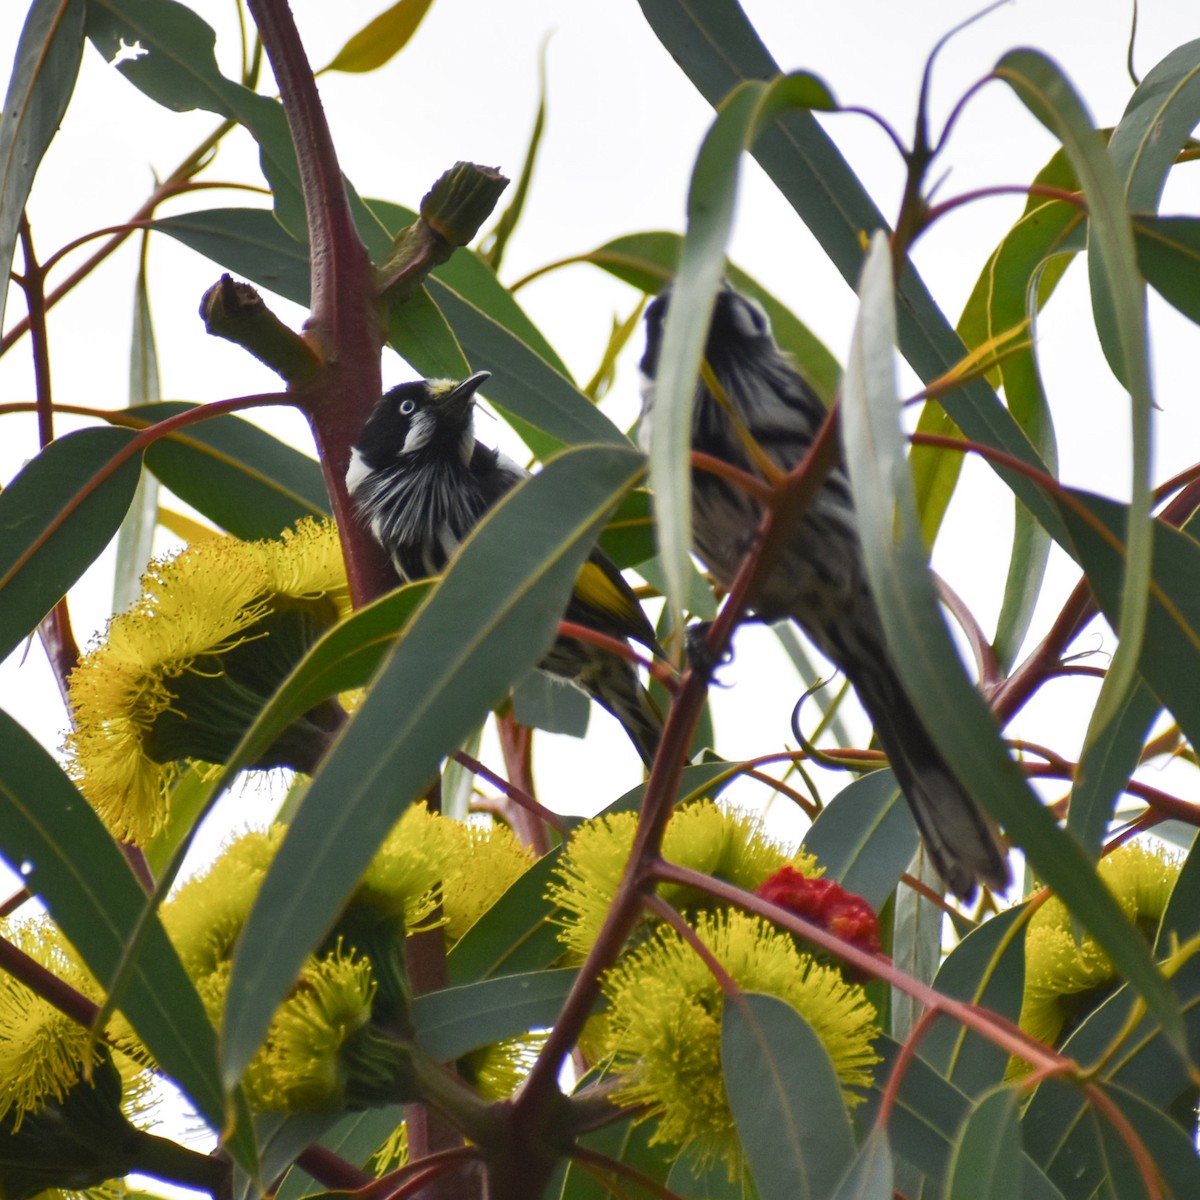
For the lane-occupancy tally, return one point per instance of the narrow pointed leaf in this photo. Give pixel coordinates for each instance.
(786, 1099)
(986, 968)
(865, 837)
(135, 539)
(1102, 776)
(987, 1154)
(180, 72)
(457, 1020)
(718, 48)
(494, 243)
(43, 77)
(530, 392)
(238, 475)
(50, 531)
(1156, 124)
(870, 1176)
(712, 197)
(69, 860)
(1119, 307)
(382, 39)
(1169, 255)
(952, 709)
(251, 243)
(493, 615)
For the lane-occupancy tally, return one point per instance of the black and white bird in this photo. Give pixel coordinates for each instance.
(819, 578)
(421, 482)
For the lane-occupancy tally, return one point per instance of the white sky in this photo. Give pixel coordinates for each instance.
(622, 132)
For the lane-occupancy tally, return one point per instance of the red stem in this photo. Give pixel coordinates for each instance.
(907, 1053)
(344, 325)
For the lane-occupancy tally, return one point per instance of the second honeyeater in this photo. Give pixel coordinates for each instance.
(421, 482)
(819, 578)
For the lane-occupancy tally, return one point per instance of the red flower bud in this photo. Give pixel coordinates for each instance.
(825, 903)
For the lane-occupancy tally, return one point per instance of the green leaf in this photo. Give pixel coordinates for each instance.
(1107, 768)
(529, 391)
(43, 77)
(986, 1163)
(238, 475)
(516, 934)
(457, 1020)
(476, 282)
(952, 710)
(712, 197)
(68, 859)
(628, 538)
(1134, 1055)
(865, 837)
(249, 242)
(1168, 250)
(1156, 125)
(1017, 281)
(717, 47)
(627, 1142)
(493, 614)
(1171, 653)
(986, 968)
(354, 1138)
(179, 70)
(1181, 920)
(381, 39)
(1170, 1150)
(56, 517)
(1119, 307)
(543, 703)
(649, 260)
(785, 1098)
(927, 1114)
(870, 1176)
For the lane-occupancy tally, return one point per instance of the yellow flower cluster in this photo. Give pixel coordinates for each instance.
(132, 733)
(722, 842)
(664, 1029)
(1067, 975)
(425, 861)
(661, 1032)
(42, 1050)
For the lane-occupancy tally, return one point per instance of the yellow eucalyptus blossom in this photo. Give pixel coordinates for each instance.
(323, 1050)
(1065, 976)
(59, 1123)
(179, 677)
(489, 859)
(301, 1067)
(429, 859)
(497, 1071)
(717, 841)
(205, 916)
(663, 1032)
(41, 1049)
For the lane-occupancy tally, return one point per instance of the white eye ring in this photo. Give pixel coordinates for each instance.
(407, 407)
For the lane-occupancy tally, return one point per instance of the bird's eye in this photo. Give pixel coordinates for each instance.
(407, 407)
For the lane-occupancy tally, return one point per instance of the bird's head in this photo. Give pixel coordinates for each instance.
(430, 416)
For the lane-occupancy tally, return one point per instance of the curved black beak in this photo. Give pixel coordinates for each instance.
(458, 401)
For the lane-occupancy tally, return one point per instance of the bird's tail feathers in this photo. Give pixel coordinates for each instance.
(961, 841)
(613, 683)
